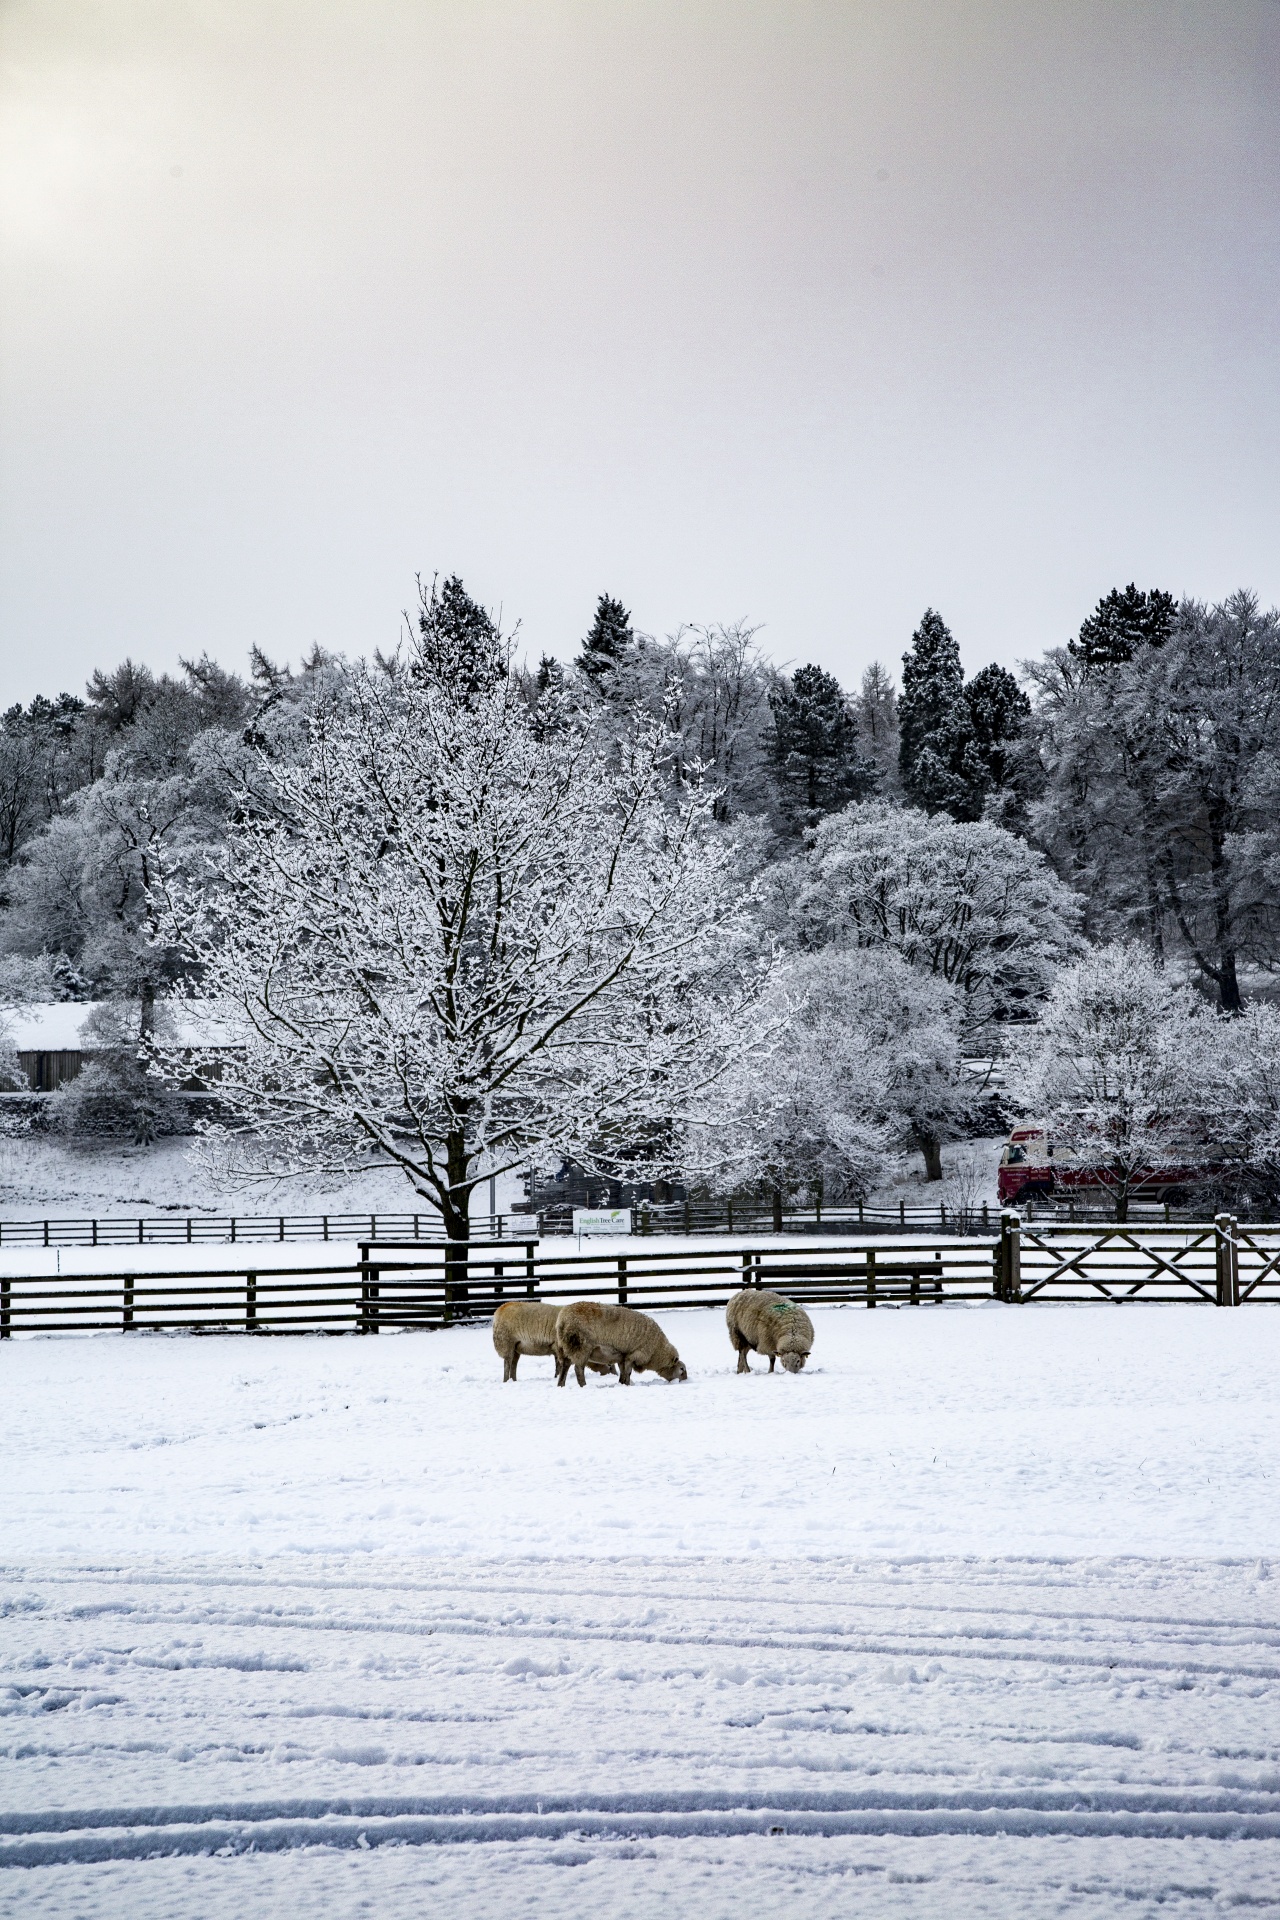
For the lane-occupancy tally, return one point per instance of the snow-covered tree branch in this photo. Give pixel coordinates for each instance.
(462, 947)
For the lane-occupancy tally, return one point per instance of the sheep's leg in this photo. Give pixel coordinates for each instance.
(507, 1368)
(580, 1373)
(562, 1368)
(624, 1373)
(772, 1358)
(515, 1360)
(743, 1351)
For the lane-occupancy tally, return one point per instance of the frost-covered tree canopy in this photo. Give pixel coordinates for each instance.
(1122, 1068)
(465, 946)
(867, 1060)
(964, 901)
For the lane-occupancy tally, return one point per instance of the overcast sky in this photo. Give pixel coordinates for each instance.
(812, 313)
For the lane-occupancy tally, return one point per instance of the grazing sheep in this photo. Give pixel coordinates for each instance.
(529, 1326)
(636, 1342)
(767, 1324)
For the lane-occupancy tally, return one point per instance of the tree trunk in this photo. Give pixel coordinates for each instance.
(931, 1147)
(1228, 984)
(455, 1213)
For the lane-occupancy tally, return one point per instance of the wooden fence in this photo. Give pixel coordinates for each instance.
(686, 1217)
(396, 1285)
(403, 1284)
(228, 1229)
(1221, 1261)
(692, 1217)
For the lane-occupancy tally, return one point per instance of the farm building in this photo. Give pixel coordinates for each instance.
(55, 1040)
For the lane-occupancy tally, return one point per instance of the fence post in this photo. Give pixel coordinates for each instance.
(46, 1233)
(871, 1276)
(529, 1279)
(369, 1297)
(902, 1213)
(127, 1318)
(4, 1308)
(746, 1269)
(622, 1283)
(729, 1211)
(1227, 1260)
(1009, 1258)
(325, 1222)
(282, 1226)
(250, 1299)
(777, 1210)
(140, 1233)
(986, 1217)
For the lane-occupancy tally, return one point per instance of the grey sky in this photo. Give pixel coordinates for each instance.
(814, 313)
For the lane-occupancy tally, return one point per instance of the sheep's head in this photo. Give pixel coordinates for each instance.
(677, 1371)
(792, 1362)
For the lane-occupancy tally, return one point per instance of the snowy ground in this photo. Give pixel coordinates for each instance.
(973, 1617)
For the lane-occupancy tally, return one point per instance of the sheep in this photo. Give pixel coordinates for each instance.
(635, 1341)
(766, 1323)
(529, 1326)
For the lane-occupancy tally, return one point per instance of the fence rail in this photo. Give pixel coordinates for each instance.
(397, 1285)
(407, 1283)
(696, 1217)
(687, 1217)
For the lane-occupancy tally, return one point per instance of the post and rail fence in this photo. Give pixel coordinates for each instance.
(179, 1227)
(400, 1284)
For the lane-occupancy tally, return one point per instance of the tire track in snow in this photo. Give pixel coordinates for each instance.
(1022, 1722)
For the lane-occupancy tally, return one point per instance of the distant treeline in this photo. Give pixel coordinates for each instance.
(1142, 757)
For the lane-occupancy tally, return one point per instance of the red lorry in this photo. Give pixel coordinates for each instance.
(1032, 1166)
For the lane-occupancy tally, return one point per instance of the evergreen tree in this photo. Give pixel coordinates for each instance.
(939, 758)
(461, 649)
(876, 710)
(999, 710)
(1119, 625)
(817, 760)
(550, 675)
(610, 640)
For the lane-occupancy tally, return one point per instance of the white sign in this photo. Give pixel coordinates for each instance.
(601, 1220)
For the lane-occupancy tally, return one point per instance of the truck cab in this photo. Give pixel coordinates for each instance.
(1026, 1165)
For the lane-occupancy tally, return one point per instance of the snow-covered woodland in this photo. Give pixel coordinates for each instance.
(670, 909)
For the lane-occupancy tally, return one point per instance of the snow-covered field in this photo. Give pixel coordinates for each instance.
(975, 1616)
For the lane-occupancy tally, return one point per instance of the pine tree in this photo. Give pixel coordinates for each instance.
(460, 648)
(1121, 623)
(610, 640)
(550, 675)
(999, 710)
(941, 765)
(817, 760)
